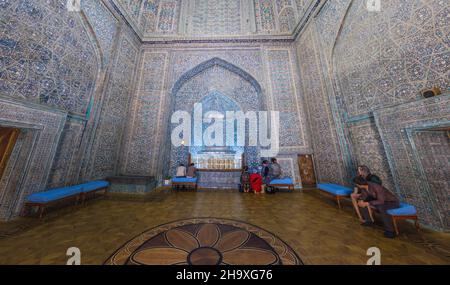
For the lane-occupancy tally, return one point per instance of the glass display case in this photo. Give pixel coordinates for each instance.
(217, 161)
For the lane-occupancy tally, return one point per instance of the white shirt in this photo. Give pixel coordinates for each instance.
(181, 171)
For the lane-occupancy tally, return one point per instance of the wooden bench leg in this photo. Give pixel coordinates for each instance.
(25, 209)
(338, 199)
(416, 223)
(41, 211)
(394, 222)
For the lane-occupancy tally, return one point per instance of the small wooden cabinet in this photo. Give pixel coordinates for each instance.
(307, 172)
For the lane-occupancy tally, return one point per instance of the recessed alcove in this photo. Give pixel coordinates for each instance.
(88, 96)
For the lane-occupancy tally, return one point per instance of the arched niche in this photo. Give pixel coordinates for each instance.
(208, 79)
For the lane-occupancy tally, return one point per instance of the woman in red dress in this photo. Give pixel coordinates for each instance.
(256, 182)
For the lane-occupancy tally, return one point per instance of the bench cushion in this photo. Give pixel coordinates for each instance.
(94, 185)
(284, 181)
(404, 210)
(54, 194)
(335, 189)
(184, 180)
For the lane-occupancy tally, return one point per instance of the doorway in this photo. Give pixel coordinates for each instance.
(307, 173)
(8, 138)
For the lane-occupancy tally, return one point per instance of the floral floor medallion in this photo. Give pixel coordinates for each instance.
(205, 241)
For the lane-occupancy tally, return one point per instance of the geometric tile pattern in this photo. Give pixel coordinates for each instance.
(221, 80)
(53, 61)
(29, 166)
(212, 17)
(140, 143)
(369, 150)
(378, 60)
(168, 12)
(103, 23)
(265, 16)
(217, 17)
(386, 58)
(412, 157)
(287, 20)
(119, 88)
(64, 168)
(281, 77)
(433, 148)
(323, 130)
(192, 74)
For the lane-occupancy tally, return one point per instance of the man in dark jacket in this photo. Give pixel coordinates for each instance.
(377, 197)
(275, 169)
(364, 172)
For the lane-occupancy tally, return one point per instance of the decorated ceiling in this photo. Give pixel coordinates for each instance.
(154, 19)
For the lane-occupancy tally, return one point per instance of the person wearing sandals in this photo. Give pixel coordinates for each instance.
(377, 197)
(363, 172)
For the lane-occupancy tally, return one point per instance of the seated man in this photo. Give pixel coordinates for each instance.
(378, 198)
(275, 170)
(191, 171)
(274, 173)
(364, 172)
(181, 171)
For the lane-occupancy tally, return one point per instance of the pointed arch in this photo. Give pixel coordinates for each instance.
(211, 63)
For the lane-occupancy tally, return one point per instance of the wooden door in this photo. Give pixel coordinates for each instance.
(8, 137)
(307, 173)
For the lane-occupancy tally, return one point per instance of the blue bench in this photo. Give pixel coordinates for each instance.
(282, 183)
(92, 188)
(335, 190)
(77, 192)
(405, 212)
(184, 181)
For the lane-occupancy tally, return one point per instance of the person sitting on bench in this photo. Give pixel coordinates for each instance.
(275, 169)
(274, 173)
(380, 199)
(181, 171)
(364, 172)
(191, 171)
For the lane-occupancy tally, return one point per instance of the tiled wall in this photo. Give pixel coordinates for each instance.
(55, 60)
(324, 137)
(433, 148)
(348, 89)
(386, 58)
(256, 77)
(114, 112)
(369, 62)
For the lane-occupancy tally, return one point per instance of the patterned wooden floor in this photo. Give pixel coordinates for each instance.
(308, 222)
(205, 241)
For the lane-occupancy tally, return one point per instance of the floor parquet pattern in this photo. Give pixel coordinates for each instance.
(311, 224)
(205, 241)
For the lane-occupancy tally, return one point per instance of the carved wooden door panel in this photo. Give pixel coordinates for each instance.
(8, 137)
(307, 173)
